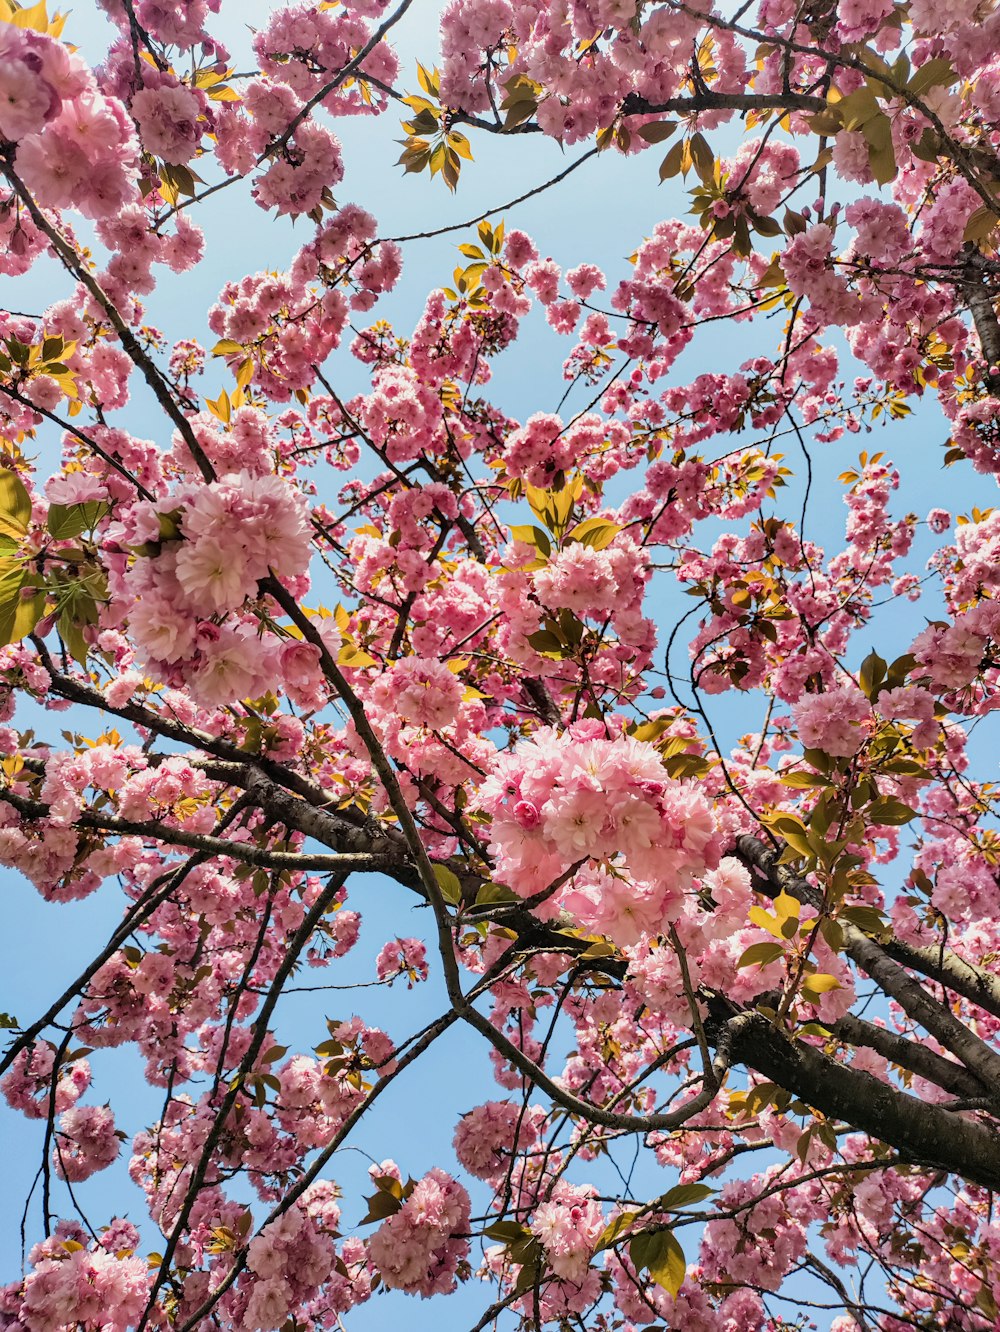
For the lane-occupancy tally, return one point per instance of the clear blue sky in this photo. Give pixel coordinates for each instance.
(600, 214)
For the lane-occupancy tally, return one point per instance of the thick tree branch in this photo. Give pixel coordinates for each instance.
(925, 1134)
(981, 301)
(977, 985)
(892, 979)
(951, 1077)
(247, 852)
(707, 100)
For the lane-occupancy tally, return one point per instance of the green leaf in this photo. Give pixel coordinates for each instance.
(866, 918)
(18, 614)
(71, 634)
(760, 954)
(506, 1232)
(657, 131)
(981, 224)
(530, 1275)
(351, 655)
(547, 643)
(702, 157)
(614, 1230)
(683, 1195)
(872, 673)
(651, 730)
(381, 1206)
(492, 893)
(786, 906)
(597, 533)
(15, 502)
(803, 780)
(673, 161)
(66, 521)
(660, 1254)
(890, 811)
(686, 765)
(934, 72)
(449, 883)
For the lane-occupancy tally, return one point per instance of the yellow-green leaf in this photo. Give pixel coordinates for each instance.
(449, 883)
(683, 1195)
(787, 907)
(760, 954)
(19, 614)
(597, 533)
(813, 987)
(15, 503)
(66, 521)
(662, 1256)
(352, 656)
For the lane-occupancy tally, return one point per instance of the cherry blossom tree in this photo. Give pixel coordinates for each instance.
(739, 1000)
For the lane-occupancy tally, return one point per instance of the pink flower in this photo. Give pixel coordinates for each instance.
(575, 819)
(563, 798)
(52, 167)
(213, 574)
(402, 957)
(568, 1228)
(830, 721)
(915, 704)
(168, 122)
(414, 1250)
(25, 100)
(85, 1288)
(85, 1142)
(232, 668)
(484, 1138)
(952, 655)
(299, 664)
(27, 1086)
(161, 629)
(425, 692)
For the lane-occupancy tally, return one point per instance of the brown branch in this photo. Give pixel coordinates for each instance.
(932, 1067)
(974, 983)
(596, 1114)
(260, 1032)
(150, 371)
(892, 979)
(158, 891)
(386, 775)
(427, 1038)
(707, 100)
(980, 300)
(925, 1134)
(209, 846)
(234, 761)
(350, 68)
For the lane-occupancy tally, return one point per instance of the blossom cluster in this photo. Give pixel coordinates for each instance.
(563, 799)
(205, 549)
(75, 146)
(416, 1249)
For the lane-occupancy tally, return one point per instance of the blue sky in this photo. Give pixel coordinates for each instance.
(599, 215)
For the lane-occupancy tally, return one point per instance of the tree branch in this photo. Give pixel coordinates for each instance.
(892, 978)
(926, 1134)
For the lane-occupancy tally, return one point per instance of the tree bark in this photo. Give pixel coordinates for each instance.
(925, 1134)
